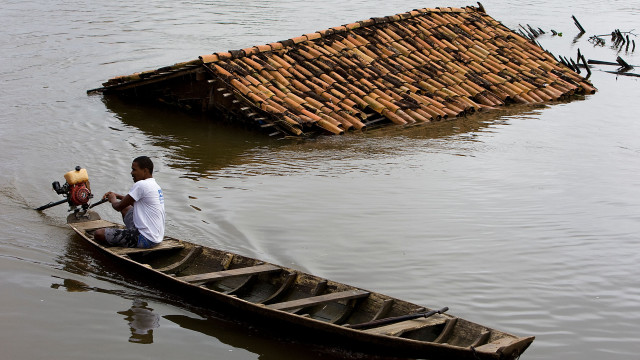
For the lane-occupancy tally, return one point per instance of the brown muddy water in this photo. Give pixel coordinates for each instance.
(525, 219)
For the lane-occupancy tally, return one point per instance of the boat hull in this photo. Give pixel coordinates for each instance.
(304, 307)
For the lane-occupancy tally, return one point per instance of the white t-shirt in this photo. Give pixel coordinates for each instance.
(148, 210)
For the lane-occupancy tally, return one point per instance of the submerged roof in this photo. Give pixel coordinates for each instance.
(418, 66)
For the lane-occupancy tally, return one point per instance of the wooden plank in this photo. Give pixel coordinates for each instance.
(496, 345)
(404, 326)
(219, 275)
(317, 300)
(317, 290)
(164, 245)
(142, 82)
(482, 338)
(92, 225)
(447, 331)
(384, 309)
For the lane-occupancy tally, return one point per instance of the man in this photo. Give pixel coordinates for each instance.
(142, 210)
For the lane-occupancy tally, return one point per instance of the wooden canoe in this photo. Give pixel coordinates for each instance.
(306, 306)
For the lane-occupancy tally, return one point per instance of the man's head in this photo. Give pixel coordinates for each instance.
(141, 168)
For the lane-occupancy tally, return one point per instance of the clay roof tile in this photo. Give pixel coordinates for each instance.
(299, 39)
(415, 66)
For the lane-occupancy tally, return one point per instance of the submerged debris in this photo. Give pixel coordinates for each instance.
(623, 70)
(623, 63)
(619, 40)
(531, 33)
(575, 21)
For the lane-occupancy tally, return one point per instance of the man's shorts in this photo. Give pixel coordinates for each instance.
(129, 237)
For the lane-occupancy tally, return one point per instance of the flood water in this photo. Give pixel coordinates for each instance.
(525, 219)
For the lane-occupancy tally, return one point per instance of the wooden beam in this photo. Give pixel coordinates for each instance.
(89, 226)
(150, 79)
(447, 331)
(317, 300)
(398, 329)
(164, 245)
(384, 309)
(184, 262)
(286, 284)
(219, 275)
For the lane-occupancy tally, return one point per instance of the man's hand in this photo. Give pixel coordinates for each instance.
(118, 202)
(112, 197)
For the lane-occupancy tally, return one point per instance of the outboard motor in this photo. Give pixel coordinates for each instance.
(76, 189)
(77, 193)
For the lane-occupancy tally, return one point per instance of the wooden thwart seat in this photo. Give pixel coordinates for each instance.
(219, 275)
(168, 244)
(88, 227)
(409, 325)
(496, 345)
(317, 300)
(93, 225)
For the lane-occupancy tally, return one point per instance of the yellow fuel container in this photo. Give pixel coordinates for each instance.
(76, 176)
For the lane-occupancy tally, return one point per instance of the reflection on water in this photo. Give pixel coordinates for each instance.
(142, 320)
(77, 258)
(202, 148)
(197, 144)
(269, 345)
(72, 285)
(242, 336)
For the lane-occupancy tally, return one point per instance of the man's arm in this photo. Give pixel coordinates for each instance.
(119, 202)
